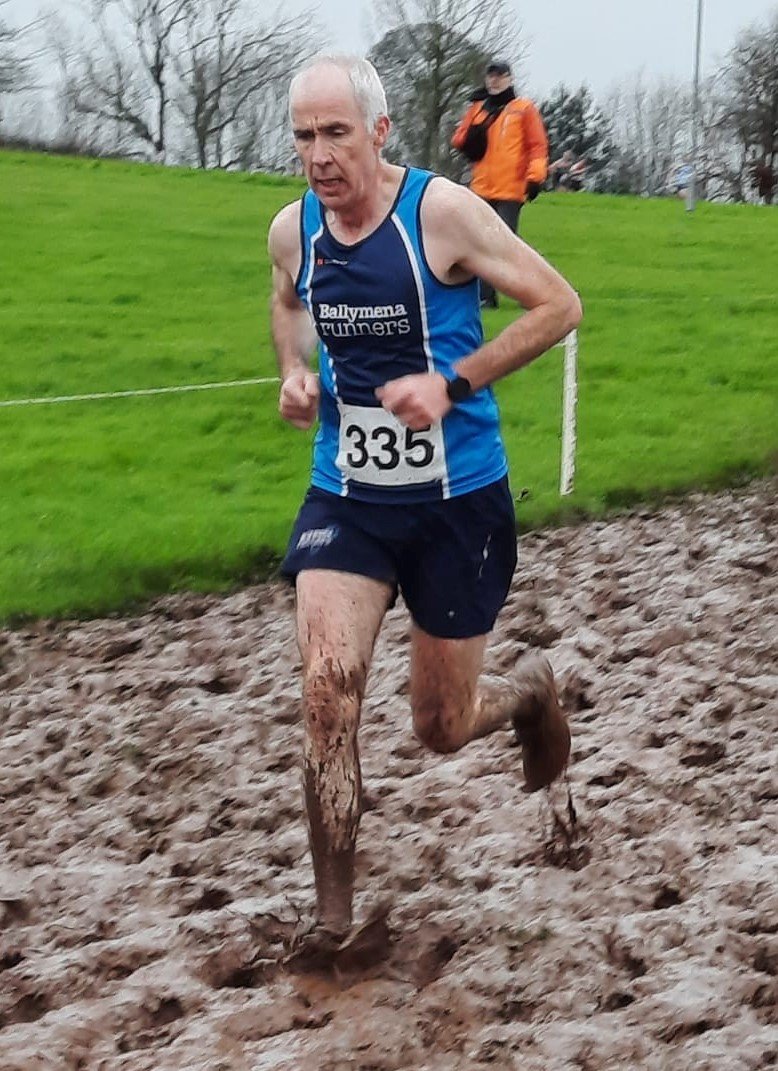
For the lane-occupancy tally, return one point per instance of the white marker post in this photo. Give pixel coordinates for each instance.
(569, 402)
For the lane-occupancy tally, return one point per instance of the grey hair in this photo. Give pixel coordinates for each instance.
(368, 91)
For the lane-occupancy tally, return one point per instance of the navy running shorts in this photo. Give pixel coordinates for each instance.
(452, 560)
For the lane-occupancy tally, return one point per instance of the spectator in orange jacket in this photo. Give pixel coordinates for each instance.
(504, 138)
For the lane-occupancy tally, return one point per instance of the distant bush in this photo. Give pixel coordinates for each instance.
(61, 146)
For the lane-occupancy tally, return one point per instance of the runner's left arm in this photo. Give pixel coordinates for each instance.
(465, 238)
(477, 242)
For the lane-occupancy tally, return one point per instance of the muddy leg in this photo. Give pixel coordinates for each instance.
(333, 786)
(530, 698)
(338, 618)
(454, 703)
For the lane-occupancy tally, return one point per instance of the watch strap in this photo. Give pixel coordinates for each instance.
(458, 389)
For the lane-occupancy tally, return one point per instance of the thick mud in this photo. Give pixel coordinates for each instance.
(154, 861)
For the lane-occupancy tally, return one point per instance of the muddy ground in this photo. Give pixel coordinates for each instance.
(154, 857)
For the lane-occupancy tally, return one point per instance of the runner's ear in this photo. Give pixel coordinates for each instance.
(381, 131)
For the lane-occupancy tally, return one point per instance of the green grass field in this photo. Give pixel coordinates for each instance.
(123, 276)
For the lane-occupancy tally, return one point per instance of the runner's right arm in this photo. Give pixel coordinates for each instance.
(294, 337)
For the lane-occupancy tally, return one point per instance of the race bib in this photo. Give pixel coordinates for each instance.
(375, 448)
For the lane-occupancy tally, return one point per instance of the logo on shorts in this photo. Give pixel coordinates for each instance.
(315, 538)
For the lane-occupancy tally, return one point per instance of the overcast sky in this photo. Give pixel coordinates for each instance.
(594, 41)
(597, 42)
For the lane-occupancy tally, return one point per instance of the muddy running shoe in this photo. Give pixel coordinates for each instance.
(539, 723)
(368, 943)
(314, 948)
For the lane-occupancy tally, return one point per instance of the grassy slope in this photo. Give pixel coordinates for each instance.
(121, 276)
(678, 354)
(125, 276)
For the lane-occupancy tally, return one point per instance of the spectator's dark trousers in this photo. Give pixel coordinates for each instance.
(508, 211)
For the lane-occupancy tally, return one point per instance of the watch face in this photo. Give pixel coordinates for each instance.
(458, 389)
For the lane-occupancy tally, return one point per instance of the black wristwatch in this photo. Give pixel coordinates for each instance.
(458, 389)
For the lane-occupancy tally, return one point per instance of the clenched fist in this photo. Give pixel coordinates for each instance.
(417, 401)
(298, 402)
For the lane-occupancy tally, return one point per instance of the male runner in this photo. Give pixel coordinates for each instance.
(409, 486)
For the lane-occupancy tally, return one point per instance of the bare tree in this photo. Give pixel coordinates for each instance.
(721, 165)
(11, 65)
(15, 63)
(750, 79)
(228, 68)
(430, 57)
(650, 126)
(122, 77)
(261, 135)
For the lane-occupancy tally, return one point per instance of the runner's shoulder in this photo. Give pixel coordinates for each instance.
(283, 238)
(446, 203)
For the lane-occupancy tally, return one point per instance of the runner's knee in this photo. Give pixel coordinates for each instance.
(439, 727)
(332, 697)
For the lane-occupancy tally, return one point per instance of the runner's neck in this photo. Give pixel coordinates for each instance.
(358, 221)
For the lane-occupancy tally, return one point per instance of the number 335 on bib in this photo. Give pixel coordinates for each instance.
(375, 448)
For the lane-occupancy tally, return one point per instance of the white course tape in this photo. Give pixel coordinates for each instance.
(570, 391)
(187, 387)
(136, 393)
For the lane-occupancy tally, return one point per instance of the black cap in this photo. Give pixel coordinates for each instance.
(499, 67)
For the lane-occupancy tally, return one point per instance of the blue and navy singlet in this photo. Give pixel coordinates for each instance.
(380, 314)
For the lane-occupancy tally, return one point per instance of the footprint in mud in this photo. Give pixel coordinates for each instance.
(13, 909)
(766, 959)
(238, 966)
(616, 1000)
(667, 896)
(764, 1001)
(233, 950)
(152, 1024)
(220, 683)
(430, 806)
(433, 952)
(408, 747)
(211, 898)
(283, 761)
(656, 741)
(620, 953)
(28, 1009)
(418, 954)
(613, 777)
(703, 753)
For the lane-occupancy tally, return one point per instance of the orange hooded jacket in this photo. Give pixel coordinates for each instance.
(516, 153)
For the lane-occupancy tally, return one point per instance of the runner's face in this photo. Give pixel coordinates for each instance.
(338, 153)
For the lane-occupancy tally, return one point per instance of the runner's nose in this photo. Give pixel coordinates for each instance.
(321, 151)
